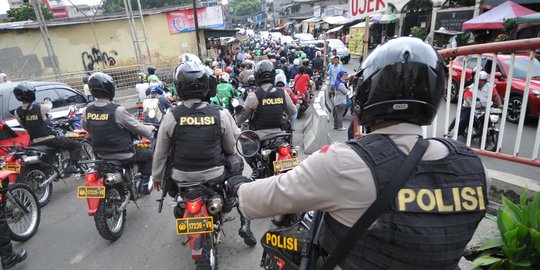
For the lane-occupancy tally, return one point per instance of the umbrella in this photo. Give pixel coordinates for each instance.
(388, 18)
(494, 18)
(533, 18)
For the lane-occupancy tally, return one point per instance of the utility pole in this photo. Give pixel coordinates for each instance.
(144, 32)
(131, 21)
(196, 19)
(46, 39)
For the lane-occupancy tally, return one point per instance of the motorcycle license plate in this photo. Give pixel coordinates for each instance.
(194, 225)
(15, 168)
(72, 135)
(286, 164)
(93, 192)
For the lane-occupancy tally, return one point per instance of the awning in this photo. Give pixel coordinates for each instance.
(388, 18)
(335, 20)
(334, 29)
(494, 18)
(219, 33)
(533, 18)
(361, 25)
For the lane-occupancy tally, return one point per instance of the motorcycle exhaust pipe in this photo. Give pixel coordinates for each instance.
(30, 159)
(124, 204)
(49, 180)
(215, 205)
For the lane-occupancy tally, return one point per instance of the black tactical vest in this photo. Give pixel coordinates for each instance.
(271, 107)
(33, 121)
(434, 214)
(107, 136)
(197, 137)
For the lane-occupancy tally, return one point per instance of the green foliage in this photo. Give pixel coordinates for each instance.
(518, 246)
(26, 12)
(113, 6)
(418, 32)
(246, 7)
(464, 39)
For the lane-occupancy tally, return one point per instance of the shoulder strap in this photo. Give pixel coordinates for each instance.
(374, 211)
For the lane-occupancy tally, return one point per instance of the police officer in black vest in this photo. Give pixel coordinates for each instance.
(34, 118)
(265, 106)
(432, 217)
(111, 128)
(202, 136)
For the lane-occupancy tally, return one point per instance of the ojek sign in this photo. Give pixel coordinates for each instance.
(362, 8)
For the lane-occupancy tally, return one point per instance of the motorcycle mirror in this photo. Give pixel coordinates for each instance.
(248, 143)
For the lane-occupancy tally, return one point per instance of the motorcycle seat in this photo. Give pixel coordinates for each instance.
(42, 148)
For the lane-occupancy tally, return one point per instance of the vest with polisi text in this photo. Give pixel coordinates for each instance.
(33, 121)
(432, 218)
(270, 109)
(107, 136)
(197, 137)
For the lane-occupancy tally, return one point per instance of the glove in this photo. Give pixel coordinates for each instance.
(233, 183)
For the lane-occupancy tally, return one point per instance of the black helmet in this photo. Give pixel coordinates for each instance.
(24, 92)
(208, 62)
(151, 70)
(265, 72)
(191, 81)
(101, 85)
(305, 62)
(251, 80)
(283, 60)
(85, 79)
(402, 80)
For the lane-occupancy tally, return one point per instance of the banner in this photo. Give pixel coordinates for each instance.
(183, 20)
(356, 38)
(358, 9)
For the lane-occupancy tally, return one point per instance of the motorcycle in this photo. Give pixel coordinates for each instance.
(22, 210)
(110, 186)
(317, 78)
(303, 103)
(272, 156)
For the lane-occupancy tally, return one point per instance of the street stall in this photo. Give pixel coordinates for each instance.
(443, 38)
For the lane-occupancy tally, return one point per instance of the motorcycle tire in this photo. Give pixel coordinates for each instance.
(491, 141)
(209, 260)
(33, 176)
(109, 222)
(87, 151)
(15, 216)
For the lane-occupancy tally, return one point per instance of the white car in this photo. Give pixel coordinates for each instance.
(275, 35)
(286, 39)
(304, 39)
(264, 34)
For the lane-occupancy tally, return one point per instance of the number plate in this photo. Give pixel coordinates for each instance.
(194, 225)
(15, 168)
(94, 192)
(73, 135)
(283, 165)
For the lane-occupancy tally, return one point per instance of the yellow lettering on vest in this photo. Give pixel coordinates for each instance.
(97, 117)
(32, 117)
(440, 202)
(274, 240)
(272, 101)
(290, 243)
(197, 121)
(481, 202)
(281, 242)
(431, 200)
(470, 202)
(457, 199)
(268, 238)
(405, 196)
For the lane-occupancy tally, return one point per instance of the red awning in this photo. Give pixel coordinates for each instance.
(494, 18)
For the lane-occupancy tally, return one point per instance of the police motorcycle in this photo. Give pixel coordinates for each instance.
(110, 185)
(71, 127)
(151, 112)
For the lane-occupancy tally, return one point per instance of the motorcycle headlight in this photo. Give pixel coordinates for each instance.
(494, 118)
(152, 113)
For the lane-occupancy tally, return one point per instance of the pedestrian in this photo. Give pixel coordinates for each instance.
(332, 72)
(4, 78)
(419, 201)
(340, 100)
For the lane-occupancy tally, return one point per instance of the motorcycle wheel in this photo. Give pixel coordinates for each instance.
(109, 221)
(87, 151)
(33, 176)
(492, 140)
(209, 260)
(22, 226)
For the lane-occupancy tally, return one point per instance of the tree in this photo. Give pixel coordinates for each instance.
(113, 6)
(246, 7)
(25, 12)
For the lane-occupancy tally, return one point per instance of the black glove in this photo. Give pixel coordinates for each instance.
(234, 183)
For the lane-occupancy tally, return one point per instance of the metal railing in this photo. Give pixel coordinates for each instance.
(521, 48)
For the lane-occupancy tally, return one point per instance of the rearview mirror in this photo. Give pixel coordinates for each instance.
(248, 143)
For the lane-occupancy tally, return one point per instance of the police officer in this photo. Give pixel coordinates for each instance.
(9, 258)
(435, 213)
(34, 118)
(203, 137)
(111, 128)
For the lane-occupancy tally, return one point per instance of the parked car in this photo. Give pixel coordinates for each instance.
(342, 50)
(264, 34)
(304, 39)
(275, 35)
(517, 88)
(286, 39)
(61, 95)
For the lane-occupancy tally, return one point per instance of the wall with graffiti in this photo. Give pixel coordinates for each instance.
(23, 54)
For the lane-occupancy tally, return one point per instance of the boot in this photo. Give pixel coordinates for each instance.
(13, 258)
(143, 188)
(72, 167)
(245, 232)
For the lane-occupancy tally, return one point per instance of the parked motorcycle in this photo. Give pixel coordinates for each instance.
(23, 213)
(110, 186)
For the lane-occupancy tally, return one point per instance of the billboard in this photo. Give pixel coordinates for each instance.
(183, 20)
(358, 9)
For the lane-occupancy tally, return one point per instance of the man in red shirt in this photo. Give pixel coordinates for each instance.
(301, 83)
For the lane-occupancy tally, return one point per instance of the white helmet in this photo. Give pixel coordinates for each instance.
(224, 77)
(296, 62)
(280, 78)
(482, 75)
